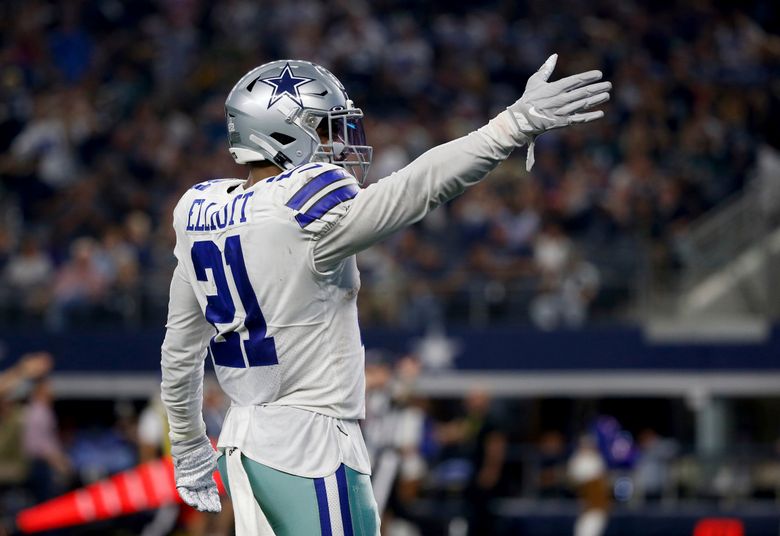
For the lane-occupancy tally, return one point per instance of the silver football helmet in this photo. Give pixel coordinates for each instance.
(291, 112)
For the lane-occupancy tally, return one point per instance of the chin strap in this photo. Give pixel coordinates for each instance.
(279, 158)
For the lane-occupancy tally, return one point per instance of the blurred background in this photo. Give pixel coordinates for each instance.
(591, 345)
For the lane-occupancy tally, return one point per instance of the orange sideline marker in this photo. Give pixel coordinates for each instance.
(145, 487)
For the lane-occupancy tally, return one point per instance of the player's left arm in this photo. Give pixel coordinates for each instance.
(446, 171)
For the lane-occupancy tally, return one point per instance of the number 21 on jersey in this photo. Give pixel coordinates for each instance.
(226, 346)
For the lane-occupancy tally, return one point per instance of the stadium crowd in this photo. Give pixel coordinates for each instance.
(110, 110)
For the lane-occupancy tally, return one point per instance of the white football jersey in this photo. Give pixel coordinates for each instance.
(284, 333)
(266, 285)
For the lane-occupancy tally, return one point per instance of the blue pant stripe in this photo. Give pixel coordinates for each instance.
(322, 505)
(346, 517)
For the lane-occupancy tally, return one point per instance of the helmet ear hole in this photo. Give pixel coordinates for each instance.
(284, 139)
(251, 85)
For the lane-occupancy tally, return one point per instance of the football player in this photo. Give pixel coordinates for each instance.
(266, 287)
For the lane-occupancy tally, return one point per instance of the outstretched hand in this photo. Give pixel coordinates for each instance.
(548, 105)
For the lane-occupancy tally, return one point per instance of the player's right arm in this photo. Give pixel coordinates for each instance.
(183, 355)
(183, 360)
(184, 346)
(446, 171)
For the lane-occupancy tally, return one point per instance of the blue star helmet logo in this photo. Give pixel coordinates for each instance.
(286, 84)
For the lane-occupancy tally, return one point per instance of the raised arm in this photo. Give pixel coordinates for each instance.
(447, 170)
(407, 195)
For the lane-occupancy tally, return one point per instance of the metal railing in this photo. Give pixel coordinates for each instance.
(717, 238)
(713, 245)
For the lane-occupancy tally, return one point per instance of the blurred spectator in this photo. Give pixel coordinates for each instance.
(480, 438)
(551, 481)
(71, 46)
(588, 474)
(551, 253)
(566, 295)
(118, 262)
(652, 472)
(488, 459)
(409, 429)
(62, 121)
(14, 459)
(28, 275)
(396, 430)
(138, 228)
(79, 286)
(50, 467)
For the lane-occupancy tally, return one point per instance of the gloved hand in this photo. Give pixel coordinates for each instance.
(194, 463)
(548, 105)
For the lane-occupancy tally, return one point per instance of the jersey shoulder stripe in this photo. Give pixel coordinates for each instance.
(316, 185)
(314, 191)
(326, 203)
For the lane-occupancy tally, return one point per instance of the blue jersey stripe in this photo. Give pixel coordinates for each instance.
(315, 185)
(327, 202)
(346, 517)
(322, 506)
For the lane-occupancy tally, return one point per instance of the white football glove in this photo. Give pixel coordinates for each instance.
(194, 463)
(548, 105)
